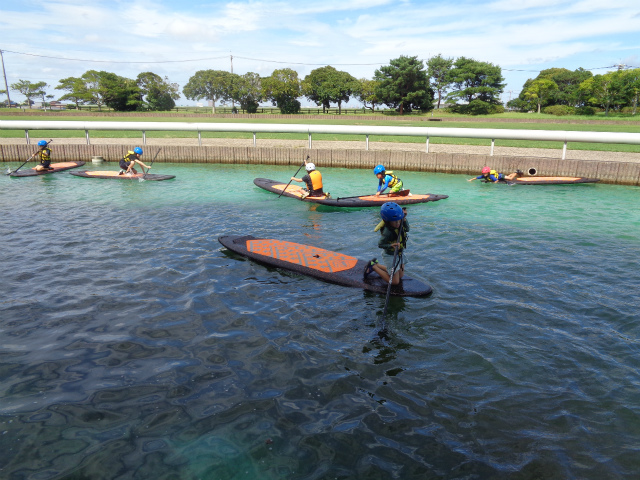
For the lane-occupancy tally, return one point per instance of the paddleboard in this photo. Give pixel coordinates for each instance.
(116, 176)
(332, 267)
(295, 191)
(551, 180)
(57, 167)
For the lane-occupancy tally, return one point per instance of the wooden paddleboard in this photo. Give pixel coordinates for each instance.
(113, 175)
(551, 180)
(57, 167)
(295, 191)
(332, 267)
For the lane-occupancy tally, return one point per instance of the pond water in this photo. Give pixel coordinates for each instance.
(135, 346)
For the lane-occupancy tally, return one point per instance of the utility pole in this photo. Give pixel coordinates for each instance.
(5, 80)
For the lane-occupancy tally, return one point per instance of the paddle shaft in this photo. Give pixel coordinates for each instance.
(29, 159)
(392, 273)
(285, 188)
(392, 195)
(154, 159)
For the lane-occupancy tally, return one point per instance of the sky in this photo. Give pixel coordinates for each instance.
(44, 40)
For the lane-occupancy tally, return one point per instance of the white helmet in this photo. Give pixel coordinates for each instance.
(310, 167)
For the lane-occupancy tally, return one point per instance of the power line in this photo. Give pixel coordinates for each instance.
(114, 61)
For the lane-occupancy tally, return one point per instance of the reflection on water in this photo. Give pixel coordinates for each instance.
(135, 346)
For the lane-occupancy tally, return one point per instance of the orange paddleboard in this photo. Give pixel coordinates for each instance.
(332, 267)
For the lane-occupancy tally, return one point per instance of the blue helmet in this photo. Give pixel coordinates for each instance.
(391, 212)
(137, 150)
(42, 143)
(378, 169)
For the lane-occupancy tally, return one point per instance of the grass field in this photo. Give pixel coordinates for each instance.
(412, 120)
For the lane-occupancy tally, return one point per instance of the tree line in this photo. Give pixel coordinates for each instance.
(407, 84)
(559, 91)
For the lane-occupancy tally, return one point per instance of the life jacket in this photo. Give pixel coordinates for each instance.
(402, 239)
(392, 182)
(45, 155)
(316, 182)
(495, 175)
(130, 156)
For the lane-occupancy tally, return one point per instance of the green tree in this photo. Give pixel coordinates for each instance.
(404, 85)
(247, 90)
(632, 83)
(158, 93)
(568, 82)
(367, 93)
(327, 85)
(28, 89)
(283, 88)
(438, 70)
(539, 90)
(606, 90)
(76, 89)
(120, 93)
(212, 85)
(480, 84)
(42, 91)
(94, 92)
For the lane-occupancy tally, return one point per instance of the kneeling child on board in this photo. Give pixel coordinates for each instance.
(313, 180)
(129, 160)
(392, 237)
(386, 179)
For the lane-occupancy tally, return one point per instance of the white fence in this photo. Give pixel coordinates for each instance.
(492, 134)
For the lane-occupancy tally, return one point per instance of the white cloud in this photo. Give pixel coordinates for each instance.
(536, 34)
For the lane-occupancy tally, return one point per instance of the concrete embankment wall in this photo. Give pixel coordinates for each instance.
(621, 173)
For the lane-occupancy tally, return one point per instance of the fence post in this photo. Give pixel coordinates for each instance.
(493, 141)
(309, 140)
(26, 134)
(427, 143)
(254, 139)
(367, 142)
(144, 138)
(199, 139)
(86, 133)
(564, 151)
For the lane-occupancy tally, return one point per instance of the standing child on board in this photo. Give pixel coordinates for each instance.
(491, 176)
(394, 230)
(313, 180)
(387, 180)
(44, 155)
(129, 160)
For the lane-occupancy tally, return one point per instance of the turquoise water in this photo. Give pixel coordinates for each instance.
(134, 346)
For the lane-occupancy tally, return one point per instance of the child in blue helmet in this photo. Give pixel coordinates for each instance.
(129, 160)
(394, 230)
(44, 155)
(386, 179)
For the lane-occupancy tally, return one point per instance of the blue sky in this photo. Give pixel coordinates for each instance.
(175, 38)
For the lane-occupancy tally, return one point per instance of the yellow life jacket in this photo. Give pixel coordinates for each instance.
(394, 179)
(45, 155)
(316, 181)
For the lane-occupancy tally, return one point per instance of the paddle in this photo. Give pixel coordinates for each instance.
(383, 330)
(401, 193)
(11, 173)
(154, 159)
(303, 164)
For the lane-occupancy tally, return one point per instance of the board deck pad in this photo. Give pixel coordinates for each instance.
(551, 180)
(295, 191)
(110, 174)
(332, 267)
(57, 167)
